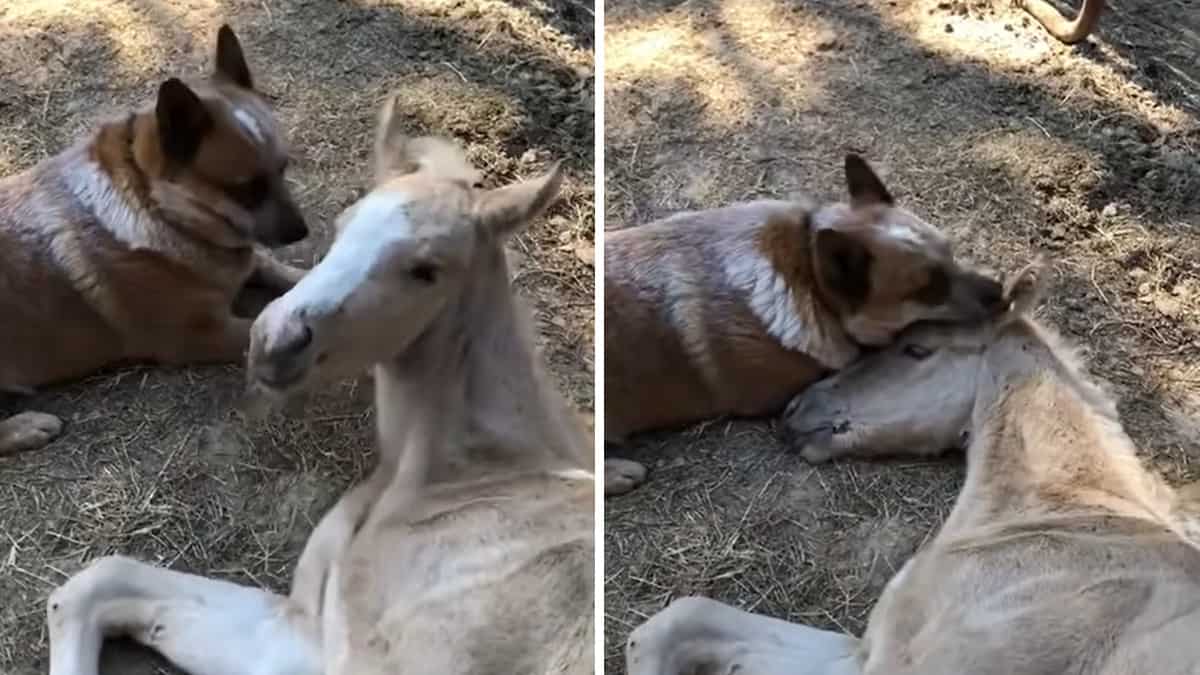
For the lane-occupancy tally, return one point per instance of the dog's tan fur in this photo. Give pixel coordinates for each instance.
(469, 550)
(133, 244)
(733, 311)
(1062, 554)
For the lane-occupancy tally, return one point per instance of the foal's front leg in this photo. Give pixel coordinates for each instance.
(697, 635)
(269, 280)
(204, 626)
(276, 274)
(332, 536)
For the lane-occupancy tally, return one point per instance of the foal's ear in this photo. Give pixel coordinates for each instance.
(1024, 289)
(391, 156)
(864, 186)
(506, 210)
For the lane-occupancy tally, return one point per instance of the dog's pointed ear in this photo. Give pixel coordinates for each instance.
(507, 210)
(182, 120)
(391, 155)
(843, 268)
(231, 61)
(864, 186)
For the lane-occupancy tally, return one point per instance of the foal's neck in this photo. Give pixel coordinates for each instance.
(1045, 438)
(470, 398)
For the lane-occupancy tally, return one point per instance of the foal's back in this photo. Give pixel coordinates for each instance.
(1062, 554)
(1089, 594)
(473, 578)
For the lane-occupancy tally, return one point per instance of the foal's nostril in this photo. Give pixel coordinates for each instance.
(305, 339)
(295, 343)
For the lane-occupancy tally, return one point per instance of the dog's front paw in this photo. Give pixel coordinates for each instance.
(621, 476)
(28, 431)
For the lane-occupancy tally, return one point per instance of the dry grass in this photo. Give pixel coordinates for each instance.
(155, 462)
(982, 123)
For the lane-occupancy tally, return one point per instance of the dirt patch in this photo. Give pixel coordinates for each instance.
(980, 122)
(155, 463)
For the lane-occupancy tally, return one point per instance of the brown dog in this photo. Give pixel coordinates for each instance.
(133, 244)
(733, 311)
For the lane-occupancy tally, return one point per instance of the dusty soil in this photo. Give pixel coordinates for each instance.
(1011, 141)
(155, 463)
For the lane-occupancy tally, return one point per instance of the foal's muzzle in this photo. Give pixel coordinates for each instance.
(281, 349)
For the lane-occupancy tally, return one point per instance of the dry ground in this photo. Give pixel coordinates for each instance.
(981, 122)
(155, 463)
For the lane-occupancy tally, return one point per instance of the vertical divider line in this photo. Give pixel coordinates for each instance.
(598, 322)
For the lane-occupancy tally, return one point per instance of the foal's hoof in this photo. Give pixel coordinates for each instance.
(28, 431)
(621, 476)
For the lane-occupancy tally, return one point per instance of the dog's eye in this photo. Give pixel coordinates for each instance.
(425, 273)
(252, 193)
(917, 352)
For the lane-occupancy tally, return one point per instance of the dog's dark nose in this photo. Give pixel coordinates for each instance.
(988, 292)
(991, 295)
(293, 232)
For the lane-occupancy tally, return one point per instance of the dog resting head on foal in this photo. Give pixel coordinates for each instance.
(860, 411)
(135, 243)
(733, 311)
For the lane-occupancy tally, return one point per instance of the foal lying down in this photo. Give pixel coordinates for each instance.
(469, 550)
(1061, 555)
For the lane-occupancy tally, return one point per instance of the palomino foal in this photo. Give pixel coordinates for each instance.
(1062, 553)
(469, 548)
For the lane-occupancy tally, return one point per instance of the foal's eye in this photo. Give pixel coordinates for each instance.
(425, 273)
(917, 352)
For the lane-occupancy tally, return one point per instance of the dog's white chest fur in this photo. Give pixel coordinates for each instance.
(97, 194)
(795, 321)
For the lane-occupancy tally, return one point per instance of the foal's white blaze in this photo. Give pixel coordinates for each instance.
(380, 219)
